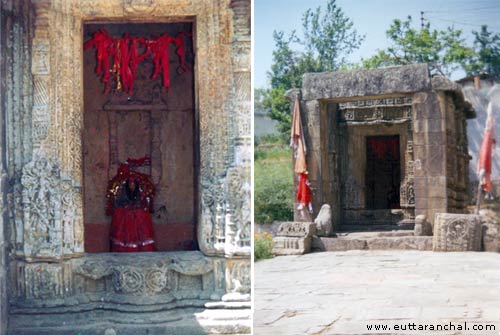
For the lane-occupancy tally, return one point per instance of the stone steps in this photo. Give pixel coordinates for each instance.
(376, 227)
(396, 240)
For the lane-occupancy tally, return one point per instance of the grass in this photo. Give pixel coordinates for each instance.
(263, 246)
(273, 183)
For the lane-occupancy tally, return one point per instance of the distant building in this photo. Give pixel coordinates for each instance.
(263, 124)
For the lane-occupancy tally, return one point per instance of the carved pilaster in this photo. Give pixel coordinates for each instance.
(51, 215)
(407, 189)
(41, 71)
(238, 215)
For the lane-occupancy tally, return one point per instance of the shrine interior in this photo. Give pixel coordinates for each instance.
(153, 121)
(382, 172)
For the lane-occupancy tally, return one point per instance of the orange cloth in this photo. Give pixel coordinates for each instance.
(298, 145)
(297, 141)
(484, 162)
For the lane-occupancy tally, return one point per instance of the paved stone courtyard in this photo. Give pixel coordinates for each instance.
(343, 292)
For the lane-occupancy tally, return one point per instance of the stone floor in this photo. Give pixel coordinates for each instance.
(343, 292)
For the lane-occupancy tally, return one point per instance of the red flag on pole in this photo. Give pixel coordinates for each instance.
(485, 155)
(299, 152)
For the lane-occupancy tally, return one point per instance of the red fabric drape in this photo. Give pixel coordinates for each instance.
(485, 155)
(124, 53)
(304, 191)
(131, 230)
(131, 225)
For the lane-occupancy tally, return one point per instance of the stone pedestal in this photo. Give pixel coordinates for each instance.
(294, 238)
(457, 232)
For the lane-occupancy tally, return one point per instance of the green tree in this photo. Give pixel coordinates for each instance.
(445, 50)
(487, 53)
(328, 38)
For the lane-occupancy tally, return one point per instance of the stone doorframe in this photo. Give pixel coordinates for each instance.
(437, 112)
(47, 201)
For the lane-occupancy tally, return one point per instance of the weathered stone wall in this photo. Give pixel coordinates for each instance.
(49, 271)
(340, 109)
(3, 265)
(15, 98)
(440, 146)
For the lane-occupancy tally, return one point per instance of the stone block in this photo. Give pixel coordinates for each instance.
(490, 231)
(457, 232)
(437, 202)
(421, 200)
(426, 106)
(391, 80)
(422, 226)
(294, 238)
(324, 221)
(337, 244)
(400, 243)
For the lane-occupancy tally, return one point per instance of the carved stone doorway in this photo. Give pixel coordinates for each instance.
(152, 121)
(383, 172)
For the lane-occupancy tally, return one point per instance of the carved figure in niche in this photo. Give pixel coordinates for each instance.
(41, 201)
(130, 202)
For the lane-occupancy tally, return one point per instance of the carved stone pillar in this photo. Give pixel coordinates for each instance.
(50, 182)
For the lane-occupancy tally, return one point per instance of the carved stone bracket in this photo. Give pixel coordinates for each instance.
(294, 238)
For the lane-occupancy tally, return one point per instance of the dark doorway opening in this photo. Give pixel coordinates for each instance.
(151, 121)
(383, 172)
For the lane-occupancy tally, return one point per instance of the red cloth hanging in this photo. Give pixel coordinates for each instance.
(485, 154)
(124, 53)
(304, 192)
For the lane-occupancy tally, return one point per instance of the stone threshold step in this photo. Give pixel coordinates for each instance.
(373, 234)
(375, 227)
(372, 243)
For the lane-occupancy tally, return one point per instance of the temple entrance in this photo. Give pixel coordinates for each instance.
(383, 172)
(147, 119)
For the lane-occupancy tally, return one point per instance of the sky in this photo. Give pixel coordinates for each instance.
(371, 18)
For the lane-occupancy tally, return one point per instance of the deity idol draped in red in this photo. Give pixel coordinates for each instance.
(130, 203)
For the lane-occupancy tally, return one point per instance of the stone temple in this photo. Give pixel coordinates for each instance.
(62, 140)
(385, 145)
(387, 153)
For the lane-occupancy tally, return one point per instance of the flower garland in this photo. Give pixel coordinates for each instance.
(124, 55)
